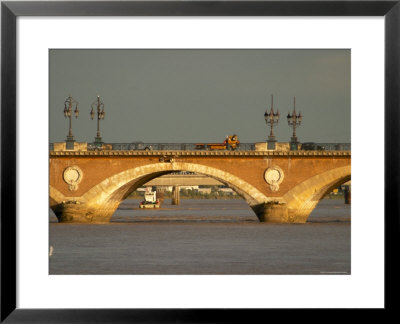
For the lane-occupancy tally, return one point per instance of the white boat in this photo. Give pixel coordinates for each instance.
(150, 199)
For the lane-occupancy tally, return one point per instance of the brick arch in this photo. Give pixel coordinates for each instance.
(302, 199)
(107, 195)
(55, 196)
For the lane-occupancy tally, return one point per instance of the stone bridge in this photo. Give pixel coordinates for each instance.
(280, 187)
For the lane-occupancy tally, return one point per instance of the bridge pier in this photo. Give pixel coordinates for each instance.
(347, 194)
(176, 196)
(77, 212)
(160, 194)
(272, 212)
(276, 212)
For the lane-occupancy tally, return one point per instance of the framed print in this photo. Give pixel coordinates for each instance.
(352, 42)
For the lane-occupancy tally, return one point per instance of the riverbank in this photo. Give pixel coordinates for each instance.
(192, 194)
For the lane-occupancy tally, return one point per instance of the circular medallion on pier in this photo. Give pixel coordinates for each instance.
(274, 177)
(72, 176)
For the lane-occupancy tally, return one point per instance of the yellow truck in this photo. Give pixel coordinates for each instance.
(230, 143)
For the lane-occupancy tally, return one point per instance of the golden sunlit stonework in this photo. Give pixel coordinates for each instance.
(280, 187)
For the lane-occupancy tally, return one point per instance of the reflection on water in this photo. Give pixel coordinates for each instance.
(203, 237)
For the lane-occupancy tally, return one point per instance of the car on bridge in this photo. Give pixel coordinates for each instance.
(311, 146)
(131, 146)
(99, 147)
(140, 146)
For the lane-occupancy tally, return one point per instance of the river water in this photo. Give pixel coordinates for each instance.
(203, 237)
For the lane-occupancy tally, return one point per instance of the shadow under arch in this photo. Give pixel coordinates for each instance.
(105, 197)
(303, 198)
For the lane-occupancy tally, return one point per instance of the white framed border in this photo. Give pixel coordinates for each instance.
(363, 288)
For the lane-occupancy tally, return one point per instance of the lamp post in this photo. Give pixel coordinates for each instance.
(271, 118)
(68, 106)
(99, 106)
(294, 120)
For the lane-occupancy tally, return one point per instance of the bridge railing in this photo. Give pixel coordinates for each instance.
(326, 146)
(242, 146)
(192, 146)
(167, 146)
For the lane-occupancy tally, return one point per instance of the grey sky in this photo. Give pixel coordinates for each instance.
(201, 95)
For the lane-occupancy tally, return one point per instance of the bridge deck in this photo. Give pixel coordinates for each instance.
(199, 153)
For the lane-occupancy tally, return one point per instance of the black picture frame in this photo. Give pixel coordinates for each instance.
(10, 10)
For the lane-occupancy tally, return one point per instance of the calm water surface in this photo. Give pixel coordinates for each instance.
(203, 237)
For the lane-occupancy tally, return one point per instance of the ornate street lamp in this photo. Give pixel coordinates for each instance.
(68, 106)
(99, 106)
(271, 118)
(294, 120)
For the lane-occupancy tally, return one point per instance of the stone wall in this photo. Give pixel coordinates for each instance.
(279, 146)
(61, 146)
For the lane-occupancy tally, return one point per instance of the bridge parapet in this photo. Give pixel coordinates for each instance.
(201, 153)
(261, 146)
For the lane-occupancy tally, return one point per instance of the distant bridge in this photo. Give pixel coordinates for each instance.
(184, 180)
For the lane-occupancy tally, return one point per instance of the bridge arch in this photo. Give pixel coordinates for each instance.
(303, 198)
(104, 198)
(56, 197)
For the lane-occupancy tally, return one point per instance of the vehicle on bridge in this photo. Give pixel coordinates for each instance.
(150, 199)
(99, 147)
(140, 146)
(231, 143)
(311, 146)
